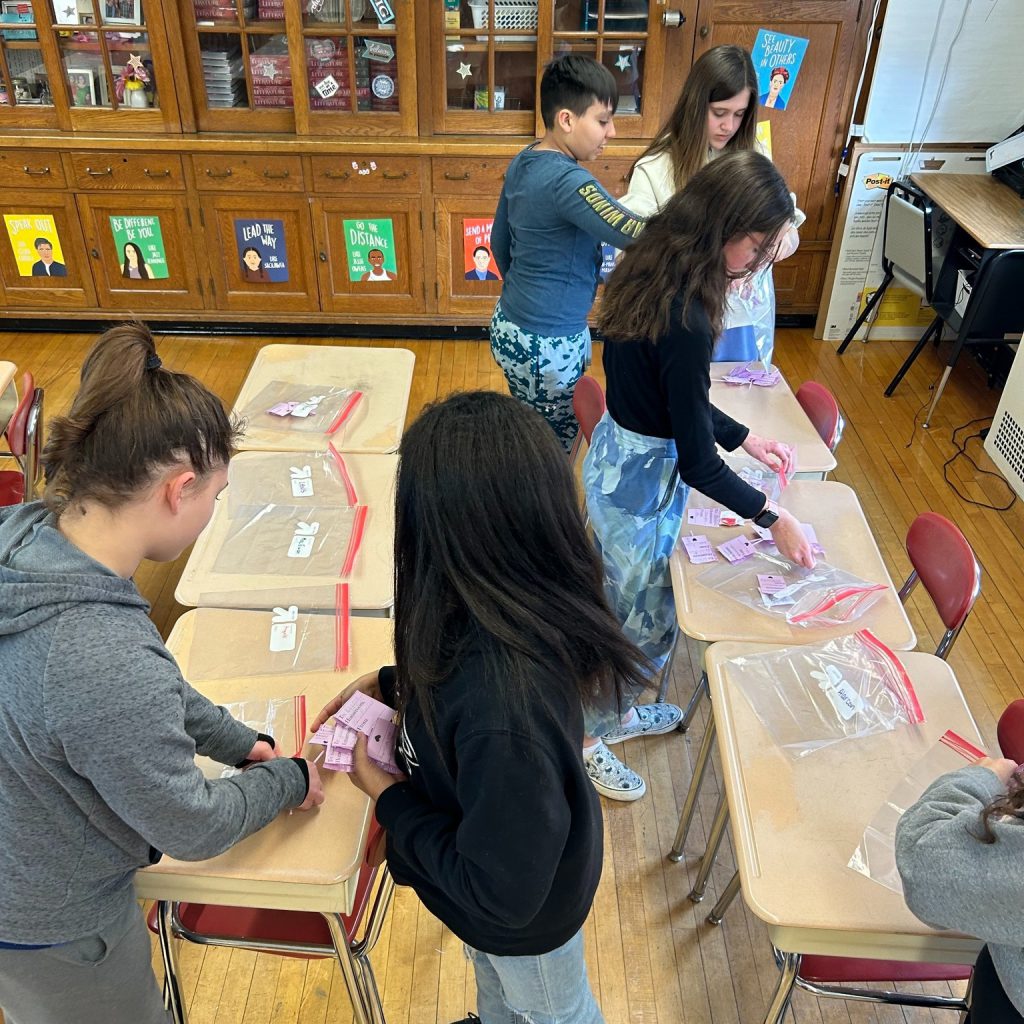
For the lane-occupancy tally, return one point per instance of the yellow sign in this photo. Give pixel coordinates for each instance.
(877, 181)
(763, 135)
(36, 245)
(899, 307)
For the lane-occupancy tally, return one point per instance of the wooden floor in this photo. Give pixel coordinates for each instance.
(652, 957)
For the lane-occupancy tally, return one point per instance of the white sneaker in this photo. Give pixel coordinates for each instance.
(650, 720)
(611, 778)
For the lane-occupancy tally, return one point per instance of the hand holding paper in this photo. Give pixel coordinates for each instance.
(359, 715)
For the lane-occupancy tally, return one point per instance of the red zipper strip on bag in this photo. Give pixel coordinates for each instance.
(341, 627)
(910, 702)
(355, 539)
(300, 724)
(834, 599)
(350, 488)
(346, 411)
(955, 742)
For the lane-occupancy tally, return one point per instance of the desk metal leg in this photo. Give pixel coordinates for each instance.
(724, 901)
(790, 967)
(700, 767)
(938, 395)
(350, 973)
(707, 862)
(691, 709)
(169, 953)
(666, 671)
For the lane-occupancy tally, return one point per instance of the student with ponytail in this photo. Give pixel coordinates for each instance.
(98, 730)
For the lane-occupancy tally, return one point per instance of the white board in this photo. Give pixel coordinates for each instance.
(981, 98)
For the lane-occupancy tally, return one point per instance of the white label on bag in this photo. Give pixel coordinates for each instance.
(302, 543)
(308, 407)
(841, 693)
(283, 629)
(302, 482)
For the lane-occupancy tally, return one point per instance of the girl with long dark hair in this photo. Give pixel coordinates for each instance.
(502, 633)
(662, 310)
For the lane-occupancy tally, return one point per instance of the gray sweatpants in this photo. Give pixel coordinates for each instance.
(103, 978)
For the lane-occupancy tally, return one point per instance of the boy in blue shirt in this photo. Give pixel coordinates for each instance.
(551, 220)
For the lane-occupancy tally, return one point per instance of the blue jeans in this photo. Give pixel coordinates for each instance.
(548, 989)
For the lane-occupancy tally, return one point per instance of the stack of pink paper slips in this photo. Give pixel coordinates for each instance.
(359, 714)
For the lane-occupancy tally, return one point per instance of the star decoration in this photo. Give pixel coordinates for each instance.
(69, 11)
(464, 71)
(270, 71)
(622, 62)
(135, 63)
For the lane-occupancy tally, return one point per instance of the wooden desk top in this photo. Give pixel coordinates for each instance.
(989, 211)
(835, 513)
(383, 374)
(300, 861)
(774, 413)
(796, 823)
(8, 395)
(7, 372)
(371, 583)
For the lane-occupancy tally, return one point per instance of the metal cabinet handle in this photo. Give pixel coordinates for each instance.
(276, 176)
(672, 19)
(37, 174)
(323, 257)
(156, 174)
(448, 176)
(395, 177)
(99, 174)
(334, 176)
(704, 30)
(94, 253)
(218, 174)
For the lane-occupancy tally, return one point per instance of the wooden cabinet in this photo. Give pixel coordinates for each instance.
(457, 291)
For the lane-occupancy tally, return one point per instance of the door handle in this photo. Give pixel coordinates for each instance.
(704, 30)
(672, 18)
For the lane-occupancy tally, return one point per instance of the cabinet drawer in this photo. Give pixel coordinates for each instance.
(126, 171)
(242, 172)
(360, 175)
(463, 176)
(25, 168)
(612, 173)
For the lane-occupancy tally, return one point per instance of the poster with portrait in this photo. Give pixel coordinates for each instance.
(36, 246)
(140, 248)
(370, 245)
(262, 251)
(476, 243)
(777, 59)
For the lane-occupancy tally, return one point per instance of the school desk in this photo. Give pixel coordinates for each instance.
(8, 394)
(371, 582)
(796, 823)
(301, 861)
(383, 375)
(773, 413)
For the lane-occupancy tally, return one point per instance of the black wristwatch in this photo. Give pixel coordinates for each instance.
(766, 518)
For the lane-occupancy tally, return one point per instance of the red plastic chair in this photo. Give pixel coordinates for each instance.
(303, 934)
(823, 411)
(1011, 731)
(24, 437)
(589, 406)
(944, 562)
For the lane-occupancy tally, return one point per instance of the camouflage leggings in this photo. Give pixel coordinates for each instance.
(635, 500)
(542, 371)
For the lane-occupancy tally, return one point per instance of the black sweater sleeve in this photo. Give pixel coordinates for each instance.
(685, 363)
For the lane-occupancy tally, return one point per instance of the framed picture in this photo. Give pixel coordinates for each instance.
(122, 12)
(13, 12)
(82, 87)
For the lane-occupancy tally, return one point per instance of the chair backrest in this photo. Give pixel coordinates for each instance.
(996, 305)
(906, 241)
(823, 411)
(588, 404)
(17, 428)
(944, 562)
(1011, 731)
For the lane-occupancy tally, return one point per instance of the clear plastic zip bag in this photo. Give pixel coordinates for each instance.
(284, 540)
(284, 718)
(748, 327)
(811, 697)
(875, 857)
(767, 582)
(291, 407)
(770, 483)
(298, 479)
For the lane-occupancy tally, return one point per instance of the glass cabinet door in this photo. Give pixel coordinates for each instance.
(25, 97)
(490, 61)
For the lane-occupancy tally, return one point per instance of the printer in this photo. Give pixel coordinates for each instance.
(1005, 160)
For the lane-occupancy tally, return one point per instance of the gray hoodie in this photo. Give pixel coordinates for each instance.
(98, 735)
(951, 880)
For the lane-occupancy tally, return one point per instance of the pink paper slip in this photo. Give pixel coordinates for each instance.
(769, 583)
(362, 712)
(737, 549)
(698, 549)
(704, 517)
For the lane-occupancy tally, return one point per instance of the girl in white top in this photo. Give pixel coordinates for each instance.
(716, 113)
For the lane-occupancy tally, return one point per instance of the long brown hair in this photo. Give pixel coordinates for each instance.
(130, 419)
(680, 252)
(719, 74)
(1011, 805)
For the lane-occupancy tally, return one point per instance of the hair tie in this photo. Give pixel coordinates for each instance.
(153, 362)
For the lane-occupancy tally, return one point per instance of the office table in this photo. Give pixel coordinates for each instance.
(371, 582)
(302, 861)
(774, 413)
(793, 836)
(384, 375)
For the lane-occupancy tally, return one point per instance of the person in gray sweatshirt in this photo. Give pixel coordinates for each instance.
(98, 729)
(960, 852)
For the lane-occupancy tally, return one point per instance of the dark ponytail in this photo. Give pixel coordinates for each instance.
(130, 419)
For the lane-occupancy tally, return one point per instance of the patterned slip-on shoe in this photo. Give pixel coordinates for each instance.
(611, 778)
(651, 720)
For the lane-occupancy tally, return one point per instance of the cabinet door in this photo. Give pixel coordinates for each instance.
(462, 228)
(143, 251)
(260, 257)
(25, 99)
(370, 254)
(43, 261)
